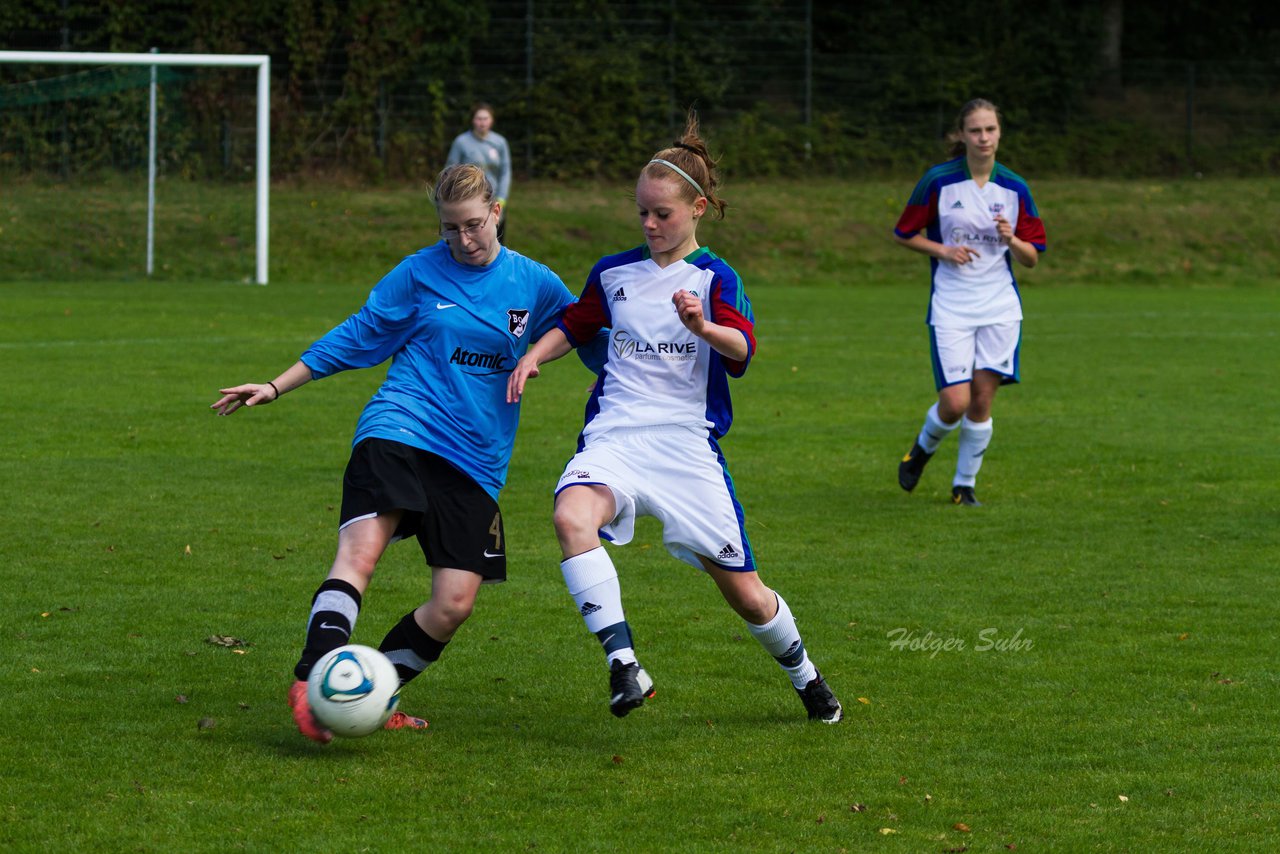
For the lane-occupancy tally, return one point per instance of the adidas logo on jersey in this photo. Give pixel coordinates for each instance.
(620, 296)
(589, 608)
(958, 206)
(728, 553)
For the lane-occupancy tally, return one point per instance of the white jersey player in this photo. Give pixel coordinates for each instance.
(679, 326)
(977, 217)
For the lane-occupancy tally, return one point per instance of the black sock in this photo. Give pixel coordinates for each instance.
(410, 649)
(333, 617)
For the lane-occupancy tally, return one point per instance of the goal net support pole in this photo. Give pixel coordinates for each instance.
(261, 62)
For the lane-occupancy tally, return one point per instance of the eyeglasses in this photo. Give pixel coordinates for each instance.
(469, 232)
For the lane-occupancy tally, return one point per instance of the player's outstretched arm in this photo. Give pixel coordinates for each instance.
(255, 394)
(548, 348)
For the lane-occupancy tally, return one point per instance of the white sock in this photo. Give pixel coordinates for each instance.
(974, 438)
(934, 430)
(782, 640)
(593, 584)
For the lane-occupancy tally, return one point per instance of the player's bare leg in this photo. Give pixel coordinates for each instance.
(770, 621)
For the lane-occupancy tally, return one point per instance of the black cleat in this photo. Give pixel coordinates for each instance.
(912, 466)
(964, 495)
(819, 702)
(629, 687)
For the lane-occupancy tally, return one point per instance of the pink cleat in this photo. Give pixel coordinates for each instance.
(302, 716)
(399, 720)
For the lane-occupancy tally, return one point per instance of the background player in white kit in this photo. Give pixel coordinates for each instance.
(679, 325)
(976, 214)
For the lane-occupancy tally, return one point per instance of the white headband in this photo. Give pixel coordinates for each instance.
(683, 174)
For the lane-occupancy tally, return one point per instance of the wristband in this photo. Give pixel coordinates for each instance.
(276, 390)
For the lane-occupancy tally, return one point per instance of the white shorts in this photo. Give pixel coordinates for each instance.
(959, 351)
(676, 475)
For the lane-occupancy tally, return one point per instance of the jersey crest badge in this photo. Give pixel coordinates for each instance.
(517, 320)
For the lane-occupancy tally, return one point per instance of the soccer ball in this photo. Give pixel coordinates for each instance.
(353, 690)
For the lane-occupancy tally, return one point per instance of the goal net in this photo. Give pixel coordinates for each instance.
(118, 164)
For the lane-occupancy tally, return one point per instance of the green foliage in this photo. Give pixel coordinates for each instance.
(376, 89)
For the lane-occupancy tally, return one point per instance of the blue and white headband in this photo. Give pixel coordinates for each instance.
(683, 174)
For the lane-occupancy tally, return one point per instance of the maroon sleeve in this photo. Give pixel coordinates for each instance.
(726, 314)
(584, 318)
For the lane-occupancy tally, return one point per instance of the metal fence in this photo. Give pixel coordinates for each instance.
(564, 88)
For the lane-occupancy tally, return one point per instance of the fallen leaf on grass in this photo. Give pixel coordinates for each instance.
(1124, 799)
(206, 723)
(181, 698)
(885, 831)
(617, 760)
(864, 701)
(858, 808)
(961, 826)
(225, 640)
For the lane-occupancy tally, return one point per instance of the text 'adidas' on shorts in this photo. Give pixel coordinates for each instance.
(956, 352)
(676, 475)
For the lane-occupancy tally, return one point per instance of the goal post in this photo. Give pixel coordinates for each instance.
(261, 62)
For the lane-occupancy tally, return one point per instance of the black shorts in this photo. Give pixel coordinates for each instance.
(457, 523)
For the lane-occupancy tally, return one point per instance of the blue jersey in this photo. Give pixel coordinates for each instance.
(453, 333)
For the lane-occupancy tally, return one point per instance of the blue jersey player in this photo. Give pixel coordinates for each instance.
(431, 448)
(680, 326)
(977, 218)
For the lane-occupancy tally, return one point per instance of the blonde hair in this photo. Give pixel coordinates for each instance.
(461, 182)
(689, 155)
(955, 137)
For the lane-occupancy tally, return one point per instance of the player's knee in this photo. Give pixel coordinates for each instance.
(760, 609)
(574, 524)
(453, 609)
(357, 561)
(754, 603)
(953, 403)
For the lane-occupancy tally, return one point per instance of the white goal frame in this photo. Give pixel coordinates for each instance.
(261, 62)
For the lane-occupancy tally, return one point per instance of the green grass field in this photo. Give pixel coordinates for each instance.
(1125, 561)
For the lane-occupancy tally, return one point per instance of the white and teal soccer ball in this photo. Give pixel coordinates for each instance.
(353, 690)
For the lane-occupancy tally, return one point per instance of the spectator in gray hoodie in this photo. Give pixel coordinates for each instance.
(488, 150)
